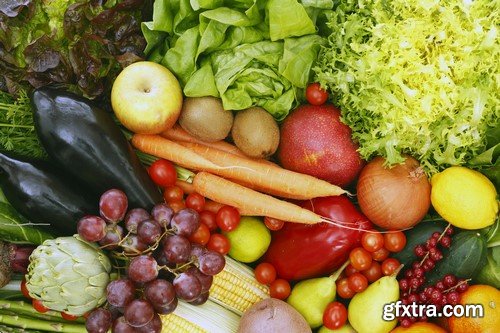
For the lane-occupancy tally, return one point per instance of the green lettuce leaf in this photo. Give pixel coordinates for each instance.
(15, 228)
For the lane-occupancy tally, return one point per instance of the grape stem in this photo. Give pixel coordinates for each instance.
(455, 287)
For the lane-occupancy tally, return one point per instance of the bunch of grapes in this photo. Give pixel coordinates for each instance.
(163, 265)
(443, 292)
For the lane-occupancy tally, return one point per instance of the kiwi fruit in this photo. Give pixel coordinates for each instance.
(205, 118)
(255, 132)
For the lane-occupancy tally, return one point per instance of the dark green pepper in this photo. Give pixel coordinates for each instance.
(45, 195)
(89, 145)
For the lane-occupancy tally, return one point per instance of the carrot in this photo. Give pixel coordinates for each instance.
(250, 202)
(265, 178)
(178, 134)
(188, 188)
(174, 152)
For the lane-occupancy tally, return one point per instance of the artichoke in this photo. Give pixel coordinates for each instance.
(68, 274)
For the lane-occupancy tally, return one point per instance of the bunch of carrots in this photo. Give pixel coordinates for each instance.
(227, 176)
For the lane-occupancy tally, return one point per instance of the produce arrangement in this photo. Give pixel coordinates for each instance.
(249, 166)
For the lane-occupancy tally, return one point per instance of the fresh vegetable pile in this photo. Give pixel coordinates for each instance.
(217, 183)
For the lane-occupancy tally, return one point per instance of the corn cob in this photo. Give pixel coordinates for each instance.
(236, 289)
(233, 291)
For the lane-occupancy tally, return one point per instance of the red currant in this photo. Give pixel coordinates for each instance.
(449, 280)
(403, 284)
(419, 251)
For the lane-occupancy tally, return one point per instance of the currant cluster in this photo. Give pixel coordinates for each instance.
(162, 265)
(443, 292)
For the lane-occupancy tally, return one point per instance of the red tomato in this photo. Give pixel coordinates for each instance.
(343, 289)
(357, 282)
(24, 290)
(390, 265)
(335, 315)
(380, 255)
(265, 273)
(38, 306)
(201, 235)
(68, 316)
(218, 243)
(163, 173)
(350, 270)
(273, 224)
(208, 219)
(227, 218)
(372, 241)
(173, 193)
(177, 205)
(374, 272)
(315, 95)
(394, 241)
(360, 259)
(279, 289)
(195, 201)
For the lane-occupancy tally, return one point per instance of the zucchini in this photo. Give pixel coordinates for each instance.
(464, 259)
(415, 236)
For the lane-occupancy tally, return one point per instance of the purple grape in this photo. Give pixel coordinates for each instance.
(99, 321)
(113, 205)
(211, 263)
(205, 280)
(120, 292)
(143, 269)
(121, 326)
(134, 217)
(176, 249)
(115, 311)
(114, 234)
(185, 222)
(168, 308)
(91, 228)
(149, 231)
(187, 287)
(196, 251)
(154, 326)
(200, 299)
(159, 292)
(133, 245)
(162, 214)
(138, 313)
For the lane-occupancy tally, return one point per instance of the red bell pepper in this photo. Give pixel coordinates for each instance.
(301, 251)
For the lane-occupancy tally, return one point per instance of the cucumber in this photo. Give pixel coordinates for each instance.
(464, 259)
(417, 235)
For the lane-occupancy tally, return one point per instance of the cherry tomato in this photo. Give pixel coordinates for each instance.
(360, 259)
(227, 218)
(265, 273)
(279, 289)
(218, 243)
(38, 306)
(195, 201)
(343, 289)
(350, 270)
(201, 235)
(273, 224)
(374, 272)
(315, 95)
(177, 205)
(173, 193)
(357, 282)
(390, 265)
(24, 290)
(394, 241)
(163, 173)
(68, 316)
(380, 255)
(372, 241)
(208, 219)
(335, 315)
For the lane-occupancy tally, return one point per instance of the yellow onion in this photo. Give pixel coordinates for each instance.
(396, 197)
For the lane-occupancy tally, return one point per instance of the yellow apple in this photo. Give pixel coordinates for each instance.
(146, 98)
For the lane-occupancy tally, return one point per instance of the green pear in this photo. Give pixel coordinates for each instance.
(310, 297)
(367, 307)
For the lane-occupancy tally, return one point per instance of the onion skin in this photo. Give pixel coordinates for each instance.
(394, 198)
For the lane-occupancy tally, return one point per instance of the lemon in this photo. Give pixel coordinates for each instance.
(464, 197)
(250, 240)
